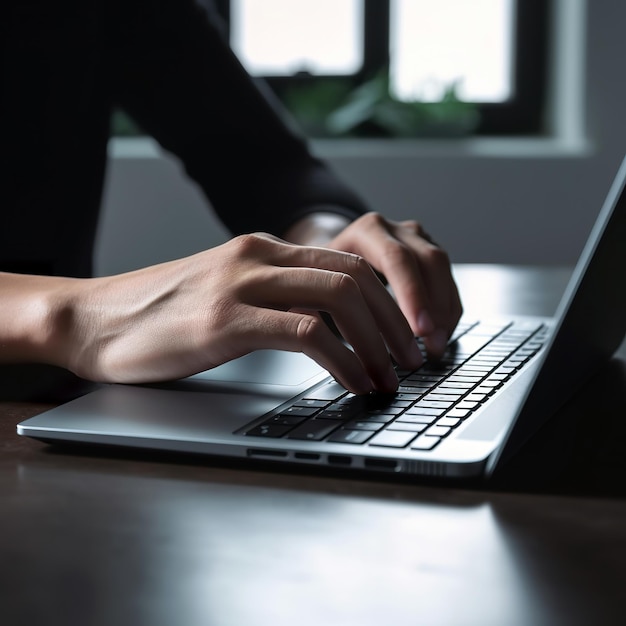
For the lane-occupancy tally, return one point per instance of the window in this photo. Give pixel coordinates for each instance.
(438, 43)
(398, 67)
(283, 37)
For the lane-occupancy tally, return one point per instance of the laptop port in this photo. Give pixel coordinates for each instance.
(382, 464)
(265, 453)
(307, 456)
(337, 459)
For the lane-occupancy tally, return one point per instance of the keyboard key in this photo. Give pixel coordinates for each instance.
(453, 386)
(491, 384)
(418, 419)
(534, 345)
(350, 436)
(425, 442)
(392, 439)
(330, 391)
(338, 411)
(515, 334)
(435, 404)
(415, 390)
(526, 352)
(437, 369)
(425, 378)
(352, 400)
(487, 361)
(466, 404)
(313, 430)
(422, 411)
(318, 404)
(460, 413)
(498, 376)
(301, 411)
(380, 401)
(371, 426)
(438, 431)
(286, 420)
(402, 400)
(269, 430)
(453, 359)
(515, 361)
(473, 369)
(448, 421)
(405, 426)
(388, 410)
(476, 397)
(408, 397)
(464, 379)
(447, 394)
(380, 419)
(443, 397)
(484, 390)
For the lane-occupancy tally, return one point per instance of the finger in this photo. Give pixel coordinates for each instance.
(338, 294)
(372, 296)
(445, 302)
(399, 264)
(409, 263)
(296, 281)
(415, 228)
(296, 331)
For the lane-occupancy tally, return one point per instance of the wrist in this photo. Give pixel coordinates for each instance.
(36, 318)
(316, 229)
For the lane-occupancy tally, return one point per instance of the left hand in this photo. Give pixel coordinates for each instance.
(418, 272)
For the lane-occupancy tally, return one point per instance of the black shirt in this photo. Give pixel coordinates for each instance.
(67, 64)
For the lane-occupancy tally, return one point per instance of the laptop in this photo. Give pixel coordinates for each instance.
(461, 417)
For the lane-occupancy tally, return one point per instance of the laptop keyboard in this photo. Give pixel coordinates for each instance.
(430, 402)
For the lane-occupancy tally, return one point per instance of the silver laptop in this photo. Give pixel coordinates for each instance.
(463, 416)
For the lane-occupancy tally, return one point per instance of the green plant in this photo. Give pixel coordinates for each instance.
(334, 109)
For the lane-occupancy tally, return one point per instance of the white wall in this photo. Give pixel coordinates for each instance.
(498, 200)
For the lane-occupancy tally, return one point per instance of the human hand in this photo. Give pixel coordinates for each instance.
(418, 272)
(254, 292)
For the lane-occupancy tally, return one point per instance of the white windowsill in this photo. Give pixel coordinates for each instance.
(473, 147)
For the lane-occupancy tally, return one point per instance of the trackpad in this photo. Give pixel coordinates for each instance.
(265, 367)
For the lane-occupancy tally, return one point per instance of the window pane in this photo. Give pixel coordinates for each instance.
(436, 43)
(282, 37)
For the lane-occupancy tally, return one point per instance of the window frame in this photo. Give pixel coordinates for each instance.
(522, 114)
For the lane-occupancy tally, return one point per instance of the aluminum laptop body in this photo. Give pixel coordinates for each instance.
(228, 411)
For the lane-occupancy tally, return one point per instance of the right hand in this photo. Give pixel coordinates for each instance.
(254, 292)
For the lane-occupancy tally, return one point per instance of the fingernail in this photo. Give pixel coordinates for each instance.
(425, 323)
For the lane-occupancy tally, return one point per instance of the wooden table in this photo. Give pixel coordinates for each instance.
(113, 539)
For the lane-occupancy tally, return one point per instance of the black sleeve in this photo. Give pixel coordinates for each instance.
(173, 71)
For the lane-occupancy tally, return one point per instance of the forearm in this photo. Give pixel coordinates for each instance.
(35, 311)
(198, 102)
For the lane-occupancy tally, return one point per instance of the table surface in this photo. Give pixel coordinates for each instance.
(150, 538)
